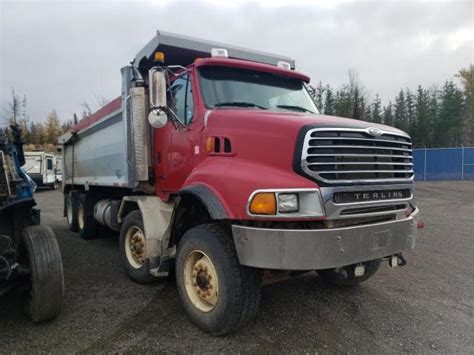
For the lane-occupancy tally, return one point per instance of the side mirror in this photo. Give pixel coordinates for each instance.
(157, 88)
(157, 116)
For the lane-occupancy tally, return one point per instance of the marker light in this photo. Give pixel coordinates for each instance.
(219, 52)
(210, 144)
(263, 203)
(284, 65)
(159, 57)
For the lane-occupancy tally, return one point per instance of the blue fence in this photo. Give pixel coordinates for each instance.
(444, 164)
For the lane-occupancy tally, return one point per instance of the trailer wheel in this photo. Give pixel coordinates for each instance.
(218, 293)
(336, 278)
(44, 299)
(71, 213)
(87, 225)
(133, 246)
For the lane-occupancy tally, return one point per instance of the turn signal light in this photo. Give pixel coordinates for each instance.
(263, 203)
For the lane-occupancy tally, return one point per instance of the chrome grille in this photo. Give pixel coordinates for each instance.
(342, 155)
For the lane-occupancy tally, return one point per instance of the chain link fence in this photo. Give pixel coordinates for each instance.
(433, 164)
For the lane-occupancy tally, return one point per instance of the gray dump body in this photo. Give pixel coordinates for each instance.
(115, 149)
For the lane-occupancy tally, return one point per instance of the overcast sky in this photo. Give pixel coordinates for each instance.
(61, 53)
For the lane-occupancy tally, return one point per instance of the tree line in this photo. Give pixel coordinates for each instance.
(42, 134)
(439, 116)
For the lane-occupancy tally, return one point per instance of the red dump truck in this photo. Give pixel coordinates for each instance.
(215, 165)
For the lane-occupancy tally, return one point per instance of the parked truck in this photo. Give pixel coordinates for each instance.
(44, 168)
(215, 165)
(30, 259)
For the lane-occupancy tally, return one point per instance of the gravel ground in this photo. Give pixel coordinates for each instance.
(424, 307)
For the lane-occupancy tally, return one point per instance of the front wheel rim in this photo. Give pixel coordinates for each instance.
(200, 281)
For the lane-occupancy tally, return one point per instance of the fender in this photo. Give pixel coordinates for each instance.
(208, 198)
(232, 180)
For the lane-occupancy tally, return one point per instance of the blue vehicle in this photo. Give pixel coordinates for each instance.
(30, 259)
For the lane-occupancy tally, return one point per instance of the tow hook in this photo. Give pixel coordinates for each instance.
(397, 260)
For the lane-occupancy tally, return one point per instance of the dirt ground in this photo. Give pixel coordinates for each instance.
(424, 307)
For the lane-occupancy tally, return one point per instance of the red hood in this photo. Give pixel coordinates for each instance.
(269, 137)
(284, 120)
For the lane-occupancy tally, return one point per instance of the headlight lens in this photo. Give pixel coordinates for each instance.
(287, 203)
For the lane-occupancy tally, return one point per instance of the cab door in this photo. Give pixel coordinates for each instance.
(174, 150)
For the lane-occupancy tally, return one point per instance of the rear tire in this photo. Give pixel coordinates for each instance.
(44, 301)
(218, 294)
(87, 225)
(133, 249)
(333, 277)
(71, 213)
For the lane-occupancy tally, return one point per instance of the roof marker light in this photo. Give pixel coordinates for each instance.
(219, 52)
(284, 65)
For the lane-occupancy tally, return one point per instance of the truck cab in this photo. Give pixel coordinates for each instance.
(214, 162)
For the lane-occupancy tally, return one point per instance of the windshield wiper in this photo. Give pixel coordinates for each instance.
(295, 108)
(239, 104)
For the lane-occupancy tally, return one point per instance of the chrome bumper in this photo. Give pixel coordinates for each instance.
(286, 249)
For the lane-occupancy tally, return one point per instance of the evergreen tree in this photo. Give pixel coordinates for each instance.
(434, 116)
(388, 114)
(450, 120)
(368, 113)
(357, 109)
(376, 110)
(318, 96)
(422, 135)
(329, 101)
(466, 76)
(411, 116)
(343, 103)
(400, 112)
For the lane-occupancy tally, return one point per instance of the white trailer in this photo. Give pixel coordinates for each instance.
(45, 169)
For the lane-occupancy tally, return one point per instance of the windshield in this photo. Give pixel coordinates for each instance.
(32, 164)
(227, 87)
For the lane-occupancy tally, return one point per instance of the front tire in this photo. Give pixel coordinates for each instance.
(218, 294)
(44, 300)
(335, 278)
(133, 251)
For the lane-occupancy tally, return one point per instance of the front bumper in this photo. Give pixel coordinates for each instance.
(287, 249)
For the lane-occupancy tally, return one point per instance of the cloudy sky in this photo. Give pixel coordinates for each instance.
(62, 53)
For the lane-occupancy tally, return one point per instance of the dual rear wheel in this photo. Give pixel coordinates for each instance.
(79, 215)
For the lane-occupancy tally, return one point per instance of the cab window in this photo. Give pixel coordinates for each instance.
(181, 99)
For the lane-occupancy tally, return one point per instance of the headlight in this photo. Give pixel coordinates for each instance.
(286, 203)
